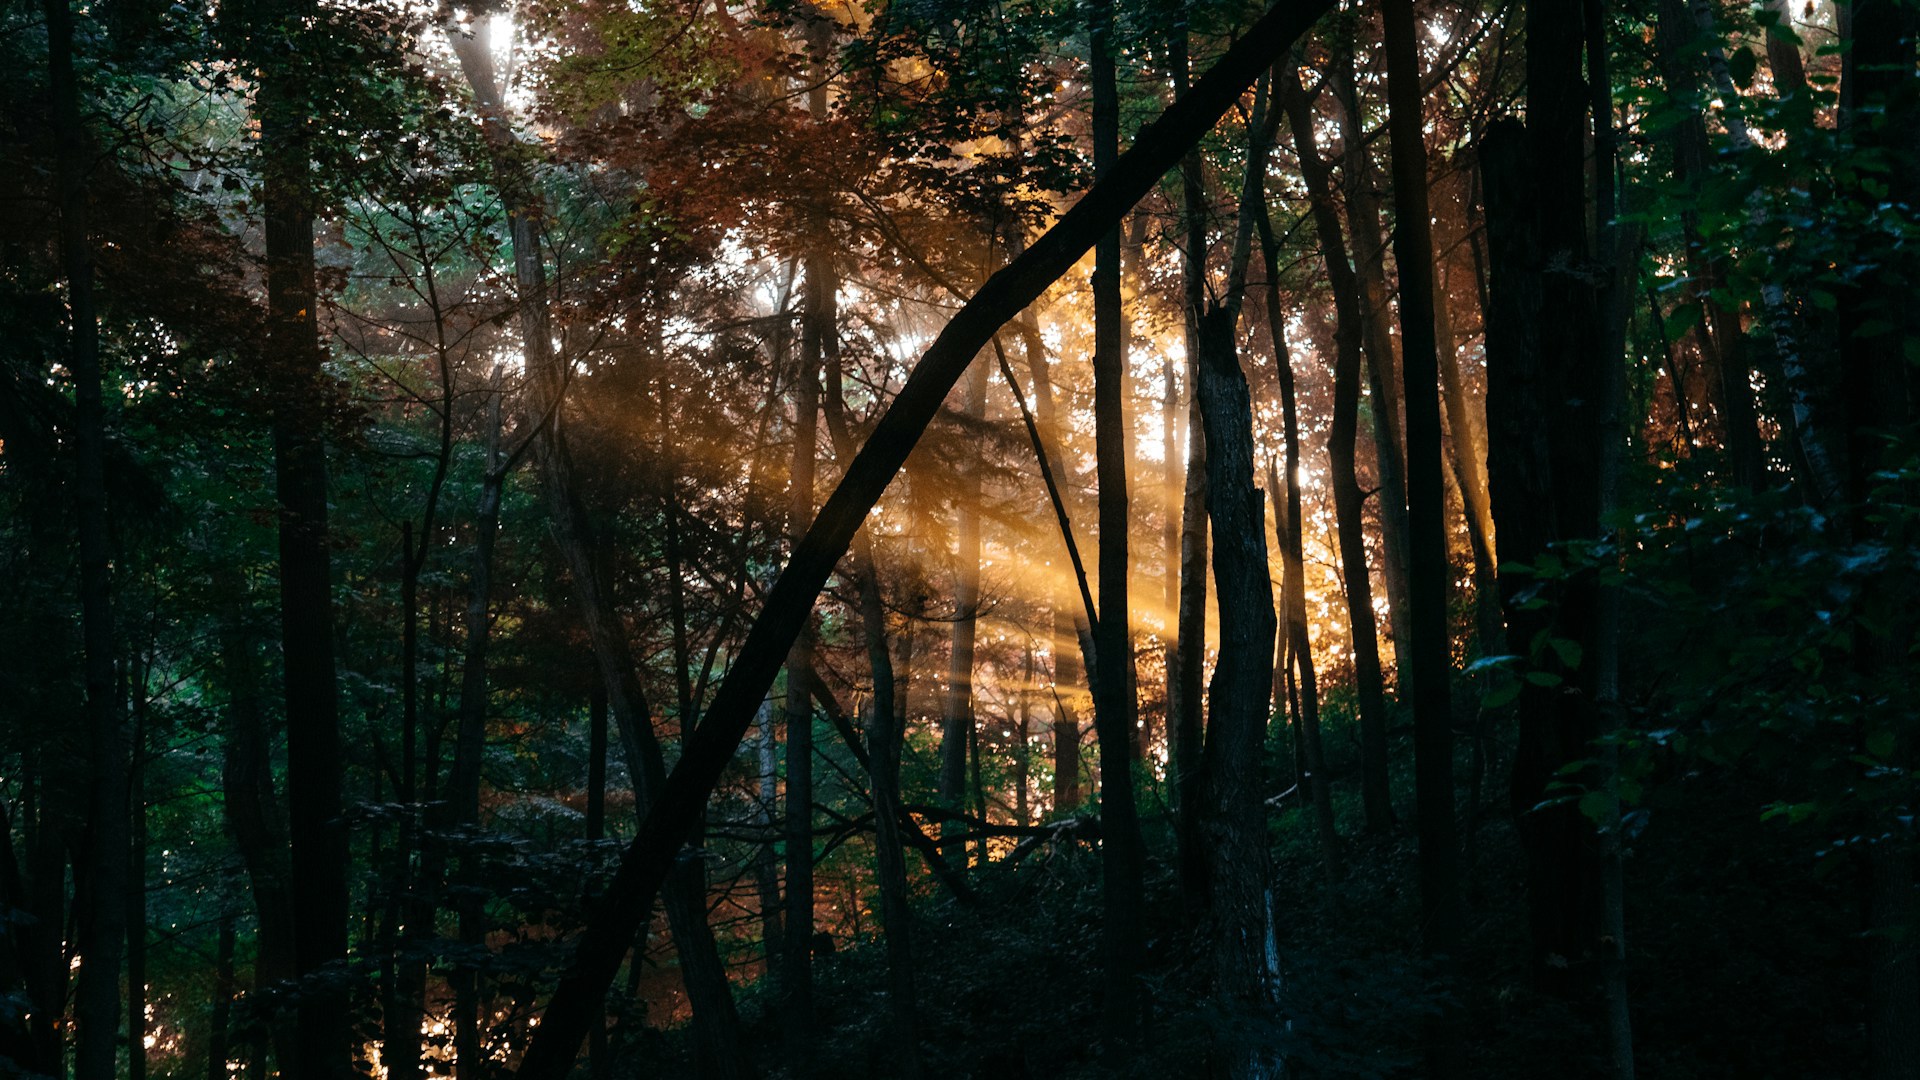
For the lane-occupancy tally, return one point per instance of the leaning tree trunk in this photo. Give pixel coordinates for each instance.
(650, 855)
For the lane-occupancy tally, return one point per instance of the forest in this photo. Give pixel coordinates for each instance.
(801, 539)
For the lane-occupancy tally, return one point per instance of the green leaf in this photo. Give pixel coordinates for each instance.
(1501, 696)
(1566, 649)
(1597, 807)
(1544, 678)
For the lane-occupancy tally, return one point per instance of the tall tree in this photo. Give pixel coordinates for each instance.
(1123, 862)
(101, 906)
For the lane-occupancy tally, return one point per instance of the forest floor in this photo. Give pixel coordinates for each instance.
(1745, 962)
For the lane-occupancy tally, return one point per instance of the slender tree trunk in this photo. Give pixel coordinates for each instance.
(1069, 666)
(796, 962)
(885, 732)
(471, 739)
(1615, 296)
(1289, 532)
(1185, 675)
(101, 873)
(137, 892)
(789, 603)
(1348, 500)
(224, 989)
(1468, 459)
(1721, 339)
(957, 722)
(1122, 858)
(1384, 405)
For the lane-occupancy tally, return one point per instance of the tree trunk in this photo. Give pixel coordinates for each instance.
(1384, 405)
(1185, 674)
(1877, 98)
(254, 815)
(1617, 259)
(1289, 533)
(1426, 493)
(1544, 401)
(471, 740)
(137, 892)
(1115, 707)
(1245, 957)
(101, 872)
(315, 768)
(957, 721)
(789, 603)
(1348, 500)
(1722, 341)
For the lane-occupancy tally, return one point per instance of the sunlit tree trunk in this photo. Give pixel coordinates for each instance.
(1186, 670)
(1122, 858)
(957, 724)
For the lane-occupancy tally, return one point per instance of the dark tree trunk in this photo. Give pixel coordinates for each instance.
(315, 767)
(1245, 959)
(1426, 494)
(470, 743)
(1069, 667)
(789, 603)
(1384, 406)
(137, 893)
(101, 871)
(885, 733)
(1879, 114)
(1289, 531)
(1349, 501)
(596, 823)
(1123, 861)
(1723, 344)
(254, 816)
(1544, 404)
